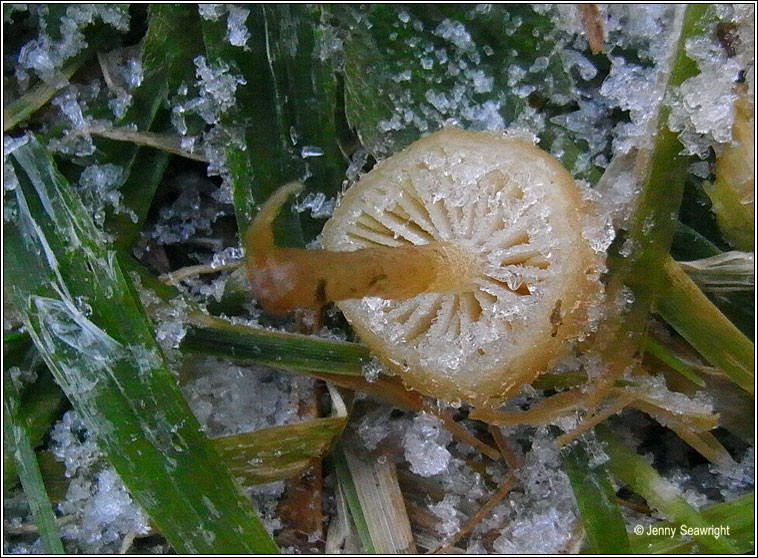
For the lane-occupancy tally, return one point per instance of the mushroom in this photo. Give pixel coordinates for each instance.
(459, 261)
(733, 192)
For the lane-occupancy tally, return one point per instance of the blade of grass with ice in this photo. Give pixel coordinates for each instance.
(167, 52)
(338, 362)
(596, 501)
(286, 108)
(93, 334)
(647, 270)
(634, 471)
(400, 65)
(16, 435)
(660, 170)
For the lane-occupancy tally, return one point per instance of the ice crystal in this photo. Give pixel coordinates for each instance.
(425, 445)
(103, 510)
(229, 399)
(45, 55)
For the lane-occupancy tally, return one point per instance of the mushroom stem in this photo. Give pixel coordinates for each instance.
(287, 278)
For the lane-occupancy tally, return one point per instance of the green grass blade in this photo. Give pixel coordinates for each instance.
(347, 486)
(279, 452)
(667, 357)
(91, 331)
(684, 306)
(639, 475)
(290, 351)
(27, 466)
(738, 515)
(688, 244)
(338, 362)
(286, 107)
(596, 500)
(384, 41)
(40, 403)
(739, 307)
(167, 53)
(663, 171)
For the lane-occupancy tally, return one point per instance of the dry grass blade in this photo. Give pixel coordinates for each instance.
(593, 26)
(512, 459)
(301, 504)
(461, 433)
(175, 277)
(730, 271)
(382, 502)
(616, 406)
(278, 452)
(169, 144)
(341, 537)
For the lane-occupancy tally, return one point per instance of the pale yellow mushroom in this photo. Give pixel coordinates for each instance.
(733, 192)
(460, 262)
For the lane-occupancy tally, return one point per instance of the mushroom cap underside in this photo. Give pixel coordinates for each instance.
(512, 209)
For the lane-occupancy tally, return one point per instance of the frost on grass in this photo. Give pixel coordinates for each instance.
(449, 517)
(376, 426)
(734, 482)
(16, 515)
(10, 180)
(76, 141)
(21, 377)
(123, 72)
(102, 510)
(629, 86)
(99, 190)
(372, 369)
(438, 73)
(46, 54)
(193, 109)
(227, 256)
(237, 33)
(217, 89)
(319, 206)
(192, 214)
